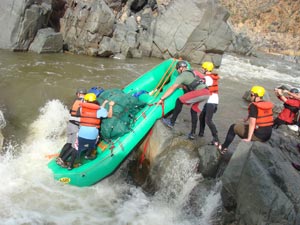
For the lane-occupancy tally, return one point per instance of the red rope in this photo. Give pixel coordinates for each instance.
(163, 109)
(145, 148)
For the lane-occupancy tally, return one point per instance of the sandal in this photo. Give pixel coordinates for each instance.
(215, 143)
(221, 149)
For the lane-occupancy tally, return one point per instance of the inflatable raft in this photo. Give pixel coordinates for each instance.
(153, 85)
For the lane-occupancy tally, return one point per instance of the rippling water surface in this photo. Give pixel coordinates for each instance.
(36, 90)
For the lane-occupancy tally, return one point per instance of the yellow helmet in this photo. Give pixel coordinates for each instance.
(258, 90)
(209, 66)
(90, 97)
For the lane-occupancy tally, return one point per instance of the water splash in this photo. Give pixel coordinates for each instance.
(31, 191)
(239, 68)
(2, 120)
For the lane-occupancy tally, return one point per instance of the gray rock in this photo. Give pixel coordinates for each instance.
(47, 41)
(85, 24)
(195, 30)
(260, 184)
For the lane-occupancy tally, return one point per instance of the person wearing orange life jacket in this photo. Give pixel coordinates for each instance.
(212, 103)
(72, 128)
(90, 119)
(291, 108)
(260, 121)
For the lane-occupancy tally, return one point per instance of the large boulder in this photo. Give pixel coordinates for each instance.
(47, 41)
(259, 184)
(194, 30)
(10, 28)
(28, 18)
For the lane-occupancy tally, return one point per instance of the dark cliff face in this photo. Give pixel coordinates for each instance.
(272, 25)
(58, 11)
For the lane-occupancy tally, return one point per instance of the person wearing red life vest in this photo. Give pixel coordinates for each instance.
(290, 110)
(72, 128)
(196, 94)
(260, 121)
(211, 106)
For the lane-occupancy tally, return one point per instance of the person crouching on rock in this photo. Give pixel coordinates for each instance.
(90, 120)
(290, 110)
(260, 121)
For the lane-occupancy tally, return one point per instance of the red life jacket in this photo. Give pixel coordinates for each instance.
(290, 110)
(89, 115)
(214, 88)
(264, 114)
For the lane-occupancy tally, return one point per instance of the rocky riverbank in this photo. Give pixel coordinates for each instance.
(195, 30)
(259, 184)
(272, 26)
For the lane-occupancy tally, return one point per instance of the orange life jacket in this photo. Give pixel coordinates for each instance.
(89, 115)
(214, 88)
(74, 111)
(264, 114)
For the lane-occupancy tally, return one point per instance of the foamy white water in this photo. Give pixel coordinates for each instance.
(238, 68)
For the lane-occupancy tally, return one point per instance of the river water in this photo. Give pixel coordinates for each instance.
(36, 91)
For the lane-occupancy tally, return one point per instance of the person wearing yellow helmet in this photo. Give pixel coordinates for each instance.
(258, 126)
(90, 97)
(206, 116)
(91, 114)
(208, 66)
(72, 128)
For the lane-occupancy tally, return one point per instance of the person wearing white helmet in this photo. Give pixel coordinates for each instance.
(72, 128)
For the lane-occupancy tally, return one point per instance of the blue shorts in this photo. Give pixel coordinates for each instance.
(86, 144)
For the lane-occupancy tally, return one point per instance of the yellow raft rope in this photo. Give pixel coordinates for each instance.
(162, 81)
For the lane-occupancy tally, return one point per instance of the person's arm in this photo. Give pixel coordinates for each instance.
(110, 110)
(292, 94)
(280, 95)
(168, 92)
(104, 103)
(252, 122)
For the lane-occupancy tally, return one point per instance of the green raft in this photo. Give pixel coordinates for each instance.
(111, 155)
